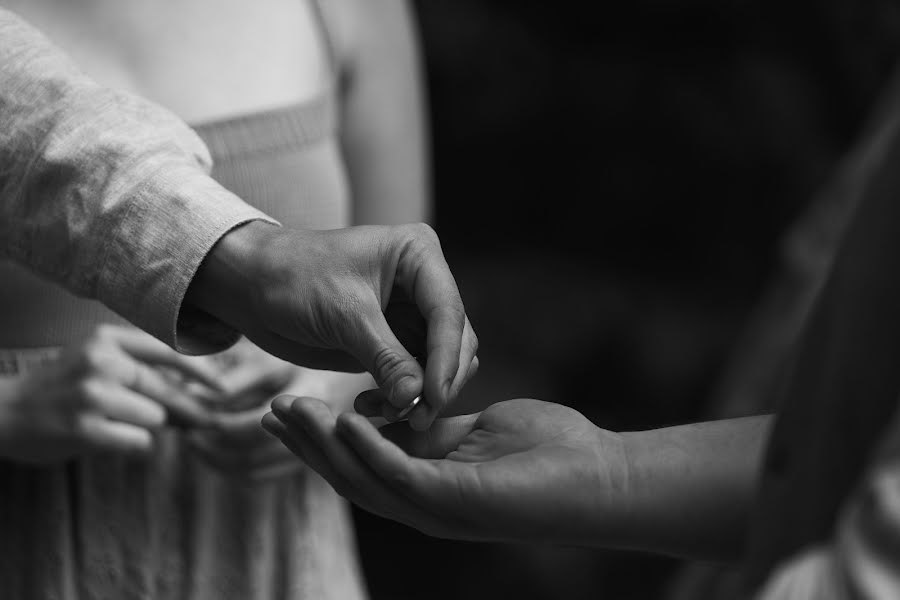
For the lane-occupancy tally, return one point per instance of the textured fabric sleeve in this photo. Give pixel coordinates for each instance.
(105, 193)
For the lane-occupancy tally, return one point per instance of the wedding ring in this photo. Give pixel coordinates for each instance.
(402, 414)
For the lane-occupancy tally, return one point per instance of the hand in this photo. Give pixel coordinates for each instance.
(377, 298)
(110, 393)
(235, 443)
(522, 470)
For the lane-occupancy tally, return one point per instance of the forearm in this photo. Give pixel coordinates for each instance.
(101, 191)
(691, 486)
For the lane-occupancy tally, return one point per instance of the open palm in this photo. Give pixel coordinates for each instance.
(520, 470)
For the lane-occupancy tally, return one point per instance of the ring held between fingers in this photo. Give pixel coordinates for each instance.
(341, 465)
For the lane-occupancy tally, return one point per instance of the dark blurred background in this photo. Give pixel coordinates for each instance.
(611, 181)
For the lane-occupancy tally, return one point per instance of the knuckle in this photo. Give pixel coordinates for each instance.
(389, 364)
(86, 390)
(155, 415)
(416, 241)
(95, 358)
(426, 232)
(473, 343)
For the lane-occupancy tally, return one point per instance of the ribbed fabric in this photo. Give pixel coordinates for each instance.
(284, 162)
(286, 129)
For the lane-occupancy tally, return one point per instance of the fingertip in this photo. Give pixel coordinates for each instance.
(271, 424)
(304, 407)
(369, 402)
(421, 418)
(156, 416)
(281, 405)
(142, 444)
(312, 414)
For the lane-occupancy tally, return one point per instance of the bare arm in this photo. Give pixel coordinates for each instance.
(693, 485)
(531, 471)
(384, 134)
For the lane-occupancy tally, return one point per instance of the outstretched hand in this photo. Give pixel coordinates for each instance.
(521, 470)
(380, 299)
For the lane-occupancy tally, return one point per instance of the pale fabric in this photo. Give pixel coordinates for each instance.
(171, 527)
(105, 193)
(750, 383)
(175, 528)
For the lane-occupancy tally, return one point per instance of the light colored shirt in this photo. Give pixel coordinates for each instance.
(105, 193)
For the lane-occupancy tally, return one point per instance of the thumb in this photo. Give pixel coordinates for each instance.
(442, 438)
(395, 370)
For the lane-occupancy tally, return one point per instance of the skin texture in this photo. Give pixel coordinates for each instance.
(531, 471)
(363, 298)
(108, 394)
(383, 142)
(494, 475)
(352, 300)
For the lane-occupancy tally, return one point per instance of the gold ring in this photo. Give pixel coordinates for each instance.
(402, 414)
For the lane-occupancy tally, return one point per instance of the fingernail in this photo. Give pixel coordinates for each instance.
(404, 387)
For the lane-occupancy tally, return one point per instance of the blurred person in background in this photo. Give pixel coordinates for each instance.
(313, 114)
(811, 508)
(749, 385)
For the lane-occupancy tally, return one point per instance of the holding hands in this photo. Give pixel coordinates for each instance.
(378, 298)
(250, 378)
(109, 393)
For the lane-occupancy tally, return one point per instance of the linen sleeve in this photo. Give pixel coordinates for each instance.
(105, 193)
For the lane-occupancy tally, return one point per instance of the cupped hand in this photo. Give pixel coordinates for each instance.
(377, 298)
(521, 470)
(110, 393)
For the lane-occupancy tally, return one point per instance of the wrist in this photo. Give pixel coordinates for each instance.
(691, 486)
(224, 282)
(622, 524)
(602, 492)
